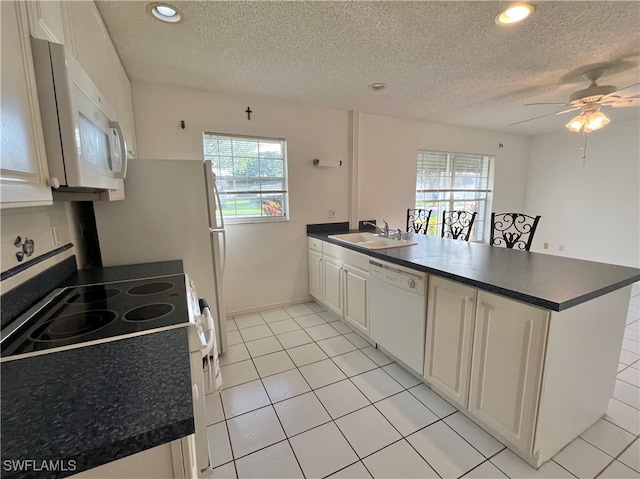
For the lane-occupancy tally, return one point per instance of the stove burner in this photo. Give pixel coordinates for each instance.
(73, 325)
(148, 312)
(93, 296)
(150, 288)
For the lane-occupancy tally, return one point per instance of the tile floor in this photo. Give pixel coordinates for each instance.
(305, 396)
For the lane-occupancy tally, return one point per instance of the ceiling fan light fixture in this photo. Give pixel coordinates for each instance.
(164, 12)
(577, 123)
(596, 121)
(514, 13)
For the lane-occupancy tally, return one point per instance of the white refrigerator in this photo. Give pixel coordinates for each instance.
(170, 212)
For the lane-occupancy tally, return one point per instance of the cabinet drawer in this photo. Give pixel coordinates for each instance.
(353, 258)
(315, 244)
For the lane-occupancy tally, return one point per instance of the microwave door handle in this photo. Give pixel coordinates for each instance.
(122, 144)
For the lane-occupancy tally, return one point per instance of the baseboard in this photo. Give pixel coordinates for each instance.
(266, 307)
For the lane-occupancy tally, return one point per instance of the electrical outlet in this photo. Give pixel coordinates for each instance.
(55, 232)
(561, 247)
(545, 246)
(332, 213)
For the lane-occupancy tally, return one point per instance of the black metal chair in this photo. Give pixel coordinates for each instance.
(418, 220)
(457, 224)
(513, 230)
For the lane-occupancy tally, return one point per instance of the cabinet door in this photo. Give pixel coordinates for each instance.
(24, 171)
(355, 297)
(508, 350)
(46, 20)
(450, 318)
(332, 285)
(315, 275)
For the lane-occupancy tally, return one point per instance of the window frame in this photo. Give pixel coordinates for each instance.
(480, 228)
(284, 179)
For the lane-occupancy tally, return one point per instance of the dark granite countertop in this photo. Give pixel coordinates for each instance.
(551, 282)
(88, 406)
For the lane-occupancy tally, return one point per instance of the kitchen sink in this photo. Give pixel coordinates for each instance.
(372, 241)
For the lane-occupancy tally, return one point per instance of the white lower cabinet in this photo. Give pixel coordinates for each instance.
(506, 371)
(355, 297)
(450, 321)
(332, 284)
(315, 274)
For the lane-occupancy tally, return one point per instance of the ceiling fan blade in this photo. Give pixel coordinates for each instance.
(626, 102)
(541, 116)
(620, 89)
(529, 104)
(567, 111)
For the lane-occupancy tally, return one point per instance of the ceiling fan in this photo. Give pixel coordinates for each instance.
(589, 101)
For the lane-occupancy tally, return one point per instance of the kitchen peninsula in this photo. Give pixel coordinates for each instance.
(525, 344)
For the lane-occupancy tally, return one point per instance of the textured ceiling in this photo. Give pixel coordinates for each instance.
(444, 61)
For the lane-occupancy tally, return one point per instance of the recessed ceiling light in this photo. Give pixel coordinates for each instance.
(164, 12)
(377, 86)
(514, 14)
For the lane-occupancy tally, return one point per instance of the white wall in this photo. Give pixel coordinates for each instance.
(387, 163)
(266, 262)
(594, 210)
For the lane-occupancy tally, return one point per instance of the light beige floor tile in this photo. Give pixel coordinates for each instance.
(255, 332)
(406, 413)
(354, 471)
(263, 346)
(274, 315)
(357, 340)
(275, 461)
(301, 413)
(214, 408)
(298, 310)
(399, 460)
(294, 338)
(329, 316)
(400, 374)
(341, 398)
(516, 468)
(284, 326)
(474, 434)
(306, 354)
(233, 337)
(285, 385)
(341, 327)
(617, 470)
(315, 307)
(354, 363)
(445, 451)
(582, 459)
(336, 346)
(231, 325)
(322, 451)
(219, 448)
(367, 430)
(631, 376)
(377, 356)
(631, 457)
(228, 471)
(627, 357)
(248, 321)
(322, 373)
(244, 398)
(310, 320)
(376, 384)
(322, 331)
(273, 363)
(254, 430)
(238, 373)
(486, 470)
(234, 354)
(623, 415)
(608, 437)
(432, 400)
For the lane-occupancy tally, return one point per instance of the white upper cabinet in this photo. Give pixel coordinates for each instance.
(23, 171)
(46, 20)
(91, 45)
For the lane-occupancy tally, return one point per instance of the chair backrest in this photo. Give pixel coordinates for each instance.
(418, 220)
(513, 230)
(457, 224)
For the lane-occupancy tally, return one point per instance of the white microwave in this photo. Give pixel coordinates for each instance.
(84, 143)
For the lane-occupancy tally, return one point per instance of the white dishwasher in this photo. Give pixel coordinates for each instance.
(398, 311)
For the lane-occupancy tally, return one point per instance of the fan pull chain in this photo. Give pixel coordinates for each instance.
(584, 148)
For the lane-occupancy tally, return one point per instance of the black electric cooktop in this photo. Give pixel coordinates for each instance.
(98, 312)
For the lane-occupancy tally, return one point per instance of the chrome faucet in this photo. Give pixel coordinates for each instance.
(383, 231)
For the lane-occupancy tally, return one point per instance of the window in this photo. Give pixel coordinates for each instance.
(251, 175)
(452, 181)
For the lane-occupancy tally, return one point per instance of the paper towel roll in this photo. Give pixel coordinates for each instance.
(327, 164)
